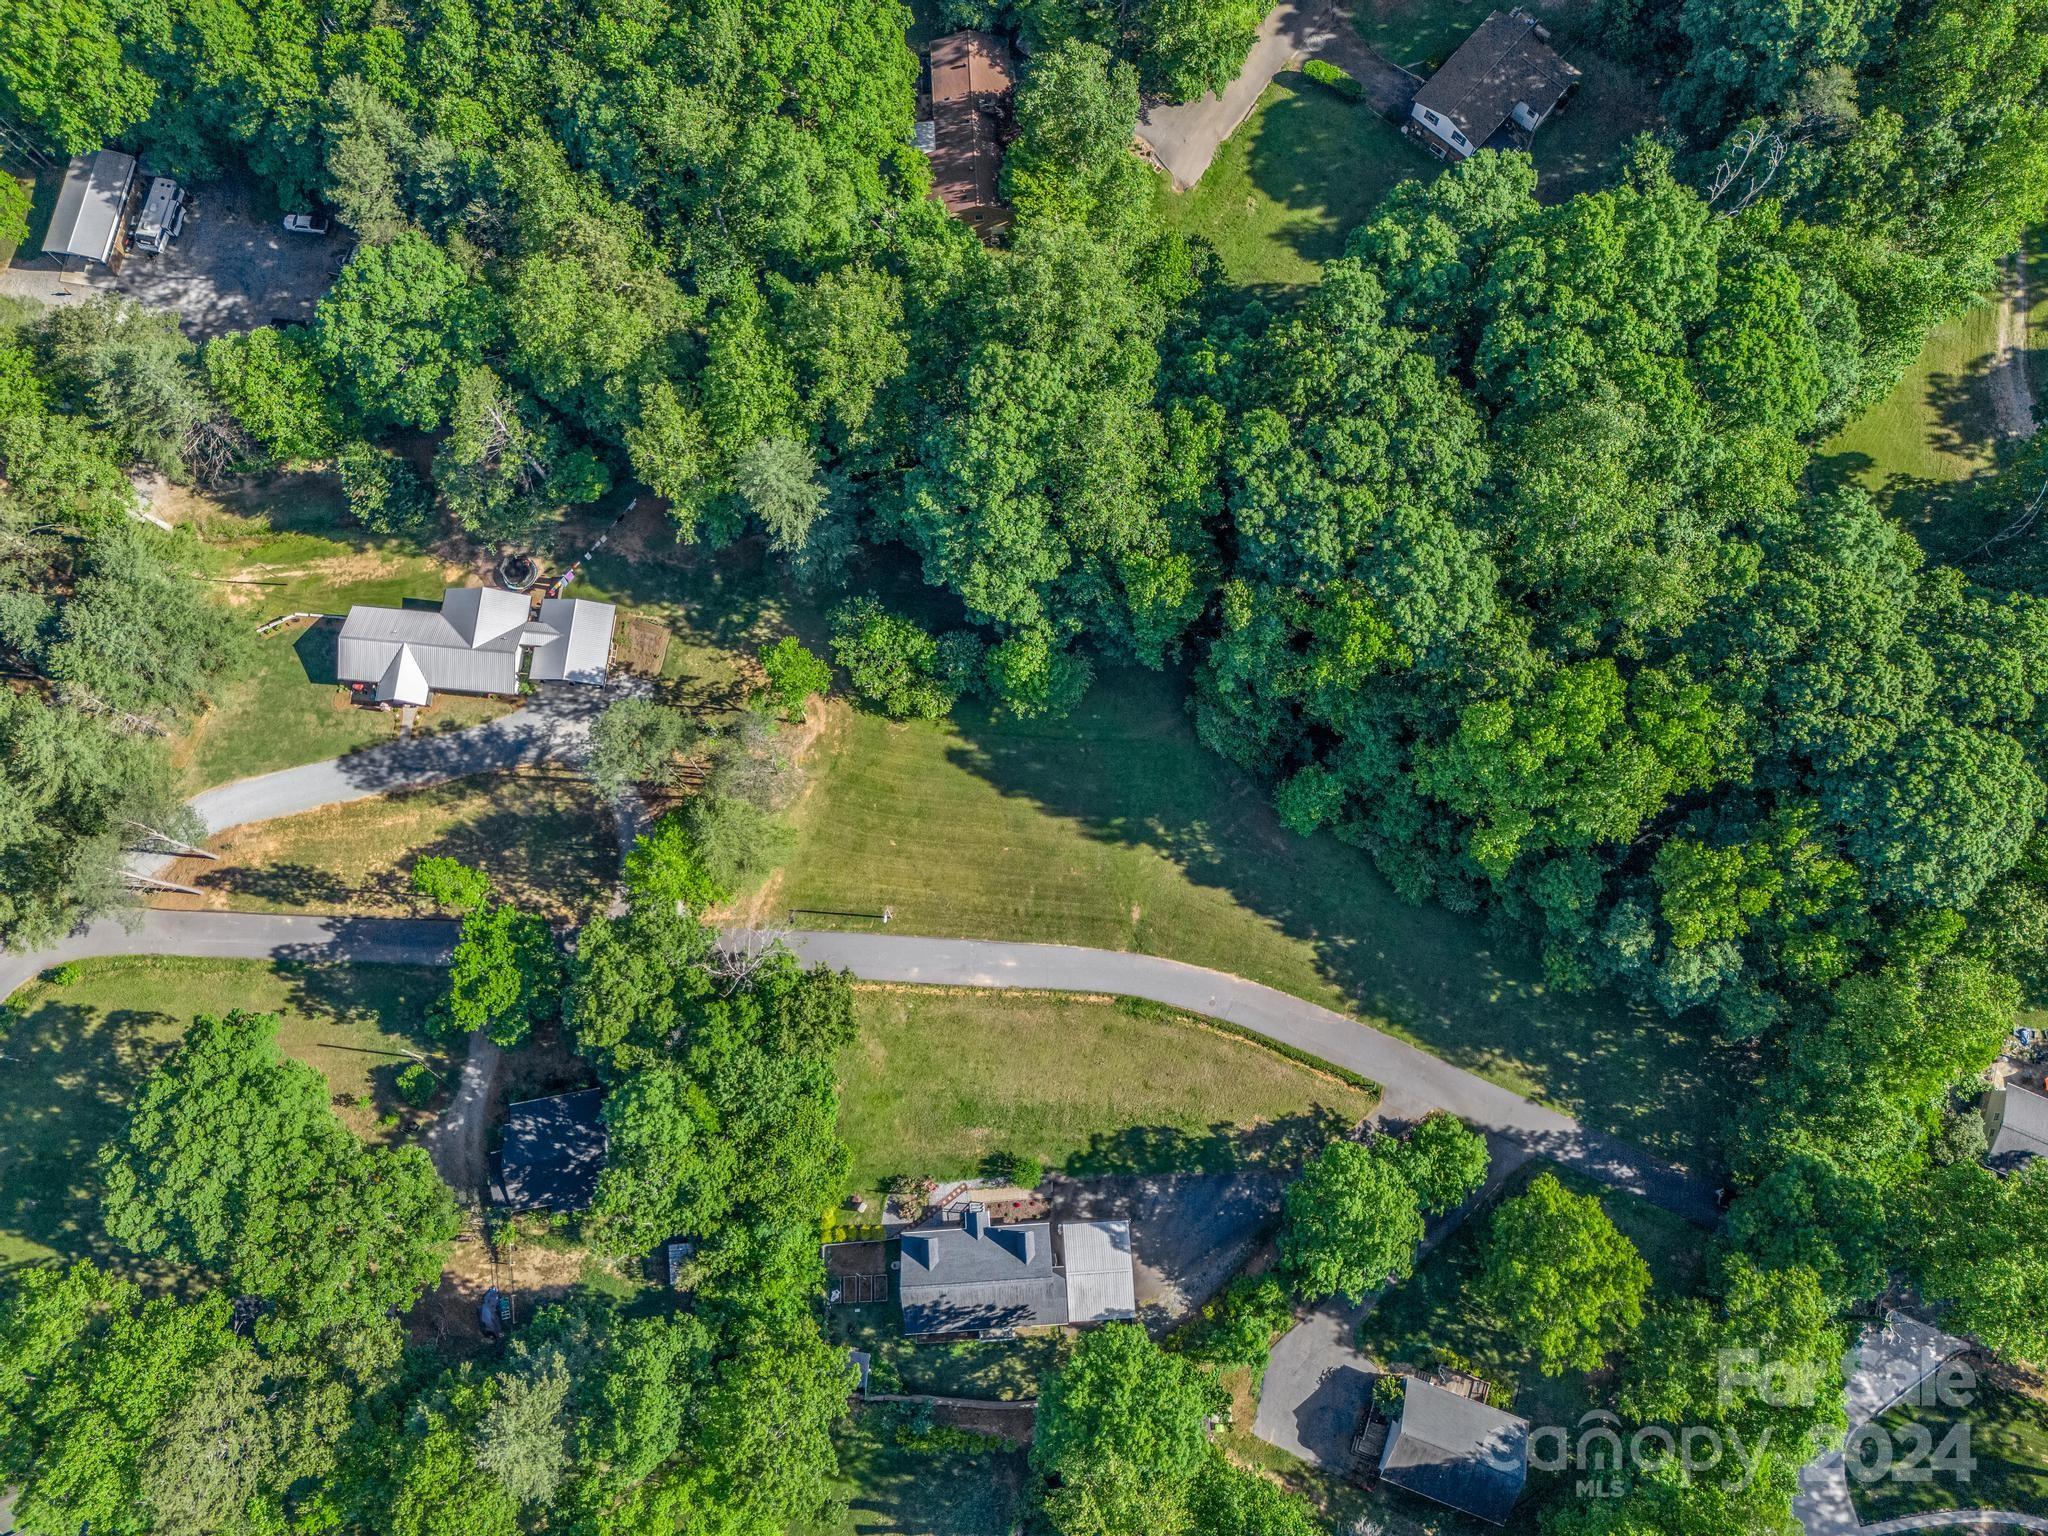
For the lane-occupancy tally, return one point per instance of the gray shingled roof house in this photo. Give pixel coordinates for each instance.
(475, 642)
(1456, 1451)
(979, 1276)
(1505, 78)
(2016, 1121)
(89, 206)
(552, 1152)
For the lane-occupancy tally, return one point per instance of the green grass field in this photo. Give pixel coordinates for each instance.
(1116, 828)
(541, 835)
(74, 1055)
(1288, 186)
(1937, 422)
(2007, 1438)
(939, 1079)
(890, 1489)
(285, 547)
(1418, 35)
(1433, 1310)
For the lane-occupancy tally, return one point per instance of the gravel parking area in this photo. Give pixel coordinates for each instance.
(233, 269)
(1190, 1232)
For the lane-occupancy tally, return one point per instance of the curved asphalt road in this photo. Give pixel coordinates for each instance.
(1415, 1082)
(554, 726)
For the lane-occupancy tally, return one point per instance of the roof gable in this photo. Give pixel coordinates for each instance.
(1501, 64)
(1457, 1452)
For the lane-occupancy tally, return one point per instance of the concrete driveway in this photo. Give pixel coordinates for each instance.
(1186, 136)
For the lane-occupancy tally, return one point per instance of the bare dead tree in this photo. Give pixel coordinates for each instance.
(2019, 527)
(1756, 154)
(216, 448)
(158, 835)
(740, 953)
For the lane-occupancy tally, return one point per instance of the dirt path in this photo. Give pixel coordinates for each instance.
(456, 1140)
(2012, 397)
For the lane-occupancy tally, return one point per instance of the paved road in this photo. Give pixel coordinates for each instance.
(552, 726)
(245, 936)
(1186, 136)
(1415, 1081)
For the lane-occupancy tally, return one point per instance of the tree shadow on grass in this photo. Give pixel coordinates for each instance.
(66, 1086)
(1222, 1148)
(1127, 769)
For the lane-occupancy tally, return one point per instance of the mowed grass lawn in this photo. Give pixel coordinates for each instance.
(1116, 828)
(1938, 423)
(1287, 187)
(2007, 1438)
(541, 834)
(891, 1489)
(1418, 35)
(285, 546)
(75, 1054)
(938, 1079)
(1433, 1312)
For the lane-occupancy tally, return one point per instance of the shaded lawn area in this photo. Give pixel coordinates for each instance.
(939, 1079)
(1581, 146)
(1288, 186)
(1431, 1313)
(1004, 1370)
(2007, 1438)
(1937, 425)
(541, 834)
(1116, 828)
(890, 1489)
(1418, 35)
(284, 546)
(75, 1054)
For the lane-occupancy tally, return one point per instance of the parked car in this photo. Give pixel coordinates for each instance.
(162, 218)
(306, 223)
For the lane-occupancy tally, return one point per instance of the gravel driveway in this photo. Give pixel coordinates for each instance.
(233, 269)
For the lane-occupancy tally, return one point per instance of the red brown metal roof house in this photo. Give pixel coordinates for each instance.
(971, 88)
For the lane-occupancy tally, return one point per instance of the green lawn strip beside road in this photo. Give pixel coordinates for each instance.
(2007, 1440)
(542, 836)
(1116, 828)
(74, 1054)
(1287, 187)
(940, 1079)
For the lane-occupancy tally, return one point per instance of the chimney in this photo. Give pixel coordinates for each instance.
(976, 1221)
(1022, 1241)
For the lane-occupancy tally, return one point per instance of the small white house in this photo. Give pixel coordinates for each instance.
(1504, 79)
(476, 642)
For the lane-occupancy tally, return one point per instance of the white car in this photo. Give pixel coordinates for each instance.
(305, 224)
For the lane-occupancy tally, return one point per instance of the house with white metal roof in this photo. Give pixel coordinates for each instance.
(90, 205)
(476, 642)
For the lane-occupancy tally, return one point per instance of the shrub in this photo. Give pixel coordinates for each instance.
(794, 674)
(1239, 1326)
(736, 842)
(416, 1085)
(65, 975)
(1014, 1168)
(890, 661)
(384, 491)
(1335, 79)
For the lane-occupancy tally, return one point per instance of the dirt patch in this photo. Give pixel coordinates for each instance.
(526, 1275)
(646, 646)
